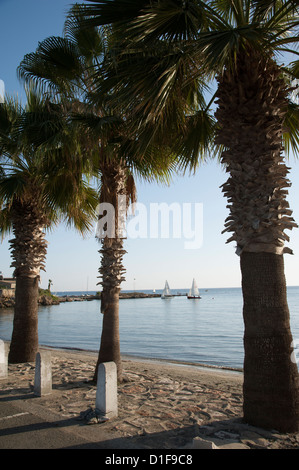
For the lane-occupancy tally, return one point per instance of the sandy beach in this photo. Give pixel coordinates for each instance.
(160, 405)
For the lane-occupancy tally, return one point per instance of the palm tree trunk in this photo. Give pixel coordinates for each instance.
(110, 340)
(271, 380)
(252, 106)
(28, 251)
(24, 342)
(111, 271)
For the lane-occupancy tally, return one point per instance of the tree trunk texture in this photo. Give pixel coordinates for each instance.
(251, 110)
(271, 382)
(28, 250)
(111, 271)
(24, 342)
(110, 344)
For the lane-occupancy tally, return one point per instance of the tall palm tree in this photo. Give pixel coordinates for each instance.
(37, 190)
(238, 43)
(70, 66)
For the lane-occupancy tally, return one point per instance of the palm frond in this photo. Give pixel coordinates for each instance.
(104, 12)
(90, 41)
(54, 65)
(294, 69)
(5, 221)
(171, 20)
(196, 144)
(35, 170)
(291, 134)
(265, 9)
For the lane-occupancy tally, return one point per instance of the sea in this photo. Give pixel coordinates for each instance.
(207, 331)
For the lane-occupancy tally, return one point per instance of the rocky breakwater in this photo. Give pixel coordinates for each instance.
(48, 299)
(137, 295)
(122, 295)
(78, 298)
(7, 302)
(43, 300)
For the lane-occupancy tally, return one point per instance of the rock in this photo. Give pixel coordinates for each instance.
(7, 302)
(47, 300)
(234, 445)
(92, 416)
(253, 439)
(199, 443)
(226, 435)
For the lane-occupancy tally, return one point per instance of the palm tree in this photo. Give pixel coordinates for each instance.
(236, 42)
(71, 67)
(37, 190)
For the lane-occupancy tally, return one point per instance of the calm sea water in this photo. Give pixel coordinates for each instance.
(205, 331)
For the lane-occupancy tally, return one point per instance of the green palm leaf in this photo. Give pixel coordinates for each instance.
(54, 65)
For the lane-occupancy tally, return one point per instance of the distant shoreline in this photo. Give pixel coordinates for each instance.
(61, 297)
(46, 300)
(122, 295)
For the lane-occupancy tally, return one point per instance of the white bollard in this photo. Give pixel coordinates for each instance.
(43, 374)
(106, 396)
(3, 360)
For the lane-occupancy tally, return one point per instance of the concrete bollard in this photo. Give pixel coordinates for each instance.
(106, 396)
(43, 374)
(3, 360)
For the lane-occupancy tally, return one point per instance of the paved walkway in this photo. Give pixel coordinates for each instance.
(26, 425)
(161, 406)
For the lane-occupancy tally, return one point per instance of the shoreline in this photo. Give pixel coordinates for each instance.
(127, 357)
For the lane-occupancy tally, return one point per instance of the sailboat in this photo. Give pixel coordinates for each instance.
(166, 294)
(194, 292)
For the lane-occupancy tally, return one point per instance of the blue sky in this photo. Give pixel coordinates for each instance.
(72, 262)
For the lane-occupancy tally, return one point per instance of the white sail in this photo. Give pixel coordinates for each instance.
(166, 292)
(166, 288)
(194, 292)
